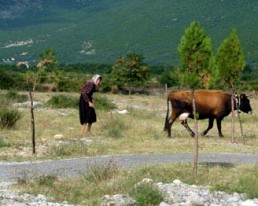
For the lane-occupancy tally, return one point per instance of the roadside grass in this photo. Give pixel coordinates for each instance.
(140, 130)
(106, 179)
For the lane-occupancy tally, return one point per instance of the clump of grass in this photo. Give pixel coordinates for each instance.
(46, 180)
(146, 194)
(63, 101)
(101, 172)
(103, 103)
(246, 183)
(3, 143)
(15, 96)
(8, 117)
(65, 150)
(115, 127)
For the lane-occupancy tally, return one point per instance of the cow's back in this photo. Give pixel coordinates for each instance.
(208, 102)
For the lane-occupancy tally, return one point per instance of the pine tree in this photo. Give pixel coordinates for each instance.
(231, 61)
(198, 67)
(130, 71)
(198, 64)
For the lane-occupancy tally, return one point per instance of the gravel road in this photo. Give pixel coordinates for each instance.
(11, 172)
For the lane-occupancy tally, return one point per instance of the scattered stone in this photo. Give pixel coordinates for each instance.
(117, 200)
(180, 194)
(11, 198)
(124, 111)
(27, 104)
(58, 137)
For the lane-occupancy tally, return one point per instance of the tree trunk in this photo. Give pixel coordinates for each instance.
(196, 143)
(240, 122)
(32, 123)
(232, 117)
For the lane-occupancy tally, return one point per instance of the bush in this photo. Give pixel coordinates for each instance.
(46, 180)
(62, 101)
(14, 96)
(146, 194)
(8, 117)
(104, 103)
(3, 143)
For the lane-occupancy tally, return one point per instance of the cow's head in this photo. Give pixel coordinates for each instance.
(244, 104)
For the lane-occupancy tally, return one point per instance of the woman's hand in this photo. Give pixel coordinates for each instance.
(90, 104)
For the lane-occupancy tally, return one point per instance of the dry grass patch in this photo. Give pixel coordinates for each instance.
(106, 179)
(138, 131)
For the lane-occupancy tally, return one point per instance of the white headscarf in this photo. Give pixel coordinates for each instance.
(95, 78)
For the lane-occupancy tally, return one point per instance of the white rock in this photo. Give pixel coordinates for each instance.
(59, 137)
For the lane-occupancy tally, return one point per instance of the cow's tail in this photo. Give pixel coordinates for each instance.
(167, 119)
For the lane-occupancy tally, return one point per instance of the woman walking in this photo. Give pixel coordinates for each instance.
(86, 107)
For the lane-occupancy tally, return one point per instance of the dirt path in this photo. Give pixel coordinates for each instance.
(11, 172)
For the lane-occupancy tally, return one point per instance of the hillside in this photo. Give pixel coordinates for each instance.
(101, 30)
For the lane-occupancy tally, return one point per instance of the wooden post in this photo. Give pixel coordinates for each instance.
(32, 123)
(239, 119)
(196, 143)
(166, 89)
(232, 119)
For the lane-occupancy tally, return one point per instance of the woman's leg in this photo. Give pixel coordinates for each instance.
(83, 127)
(89, 128)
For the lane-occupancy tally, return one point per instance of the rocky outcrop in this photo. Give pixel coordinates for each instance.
(179, 194)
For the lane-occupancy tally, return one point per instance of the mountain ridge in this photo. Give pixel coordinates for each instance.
(100, 31)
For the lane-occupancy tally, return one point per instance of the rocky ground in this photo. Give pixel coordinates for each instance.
(180, 194)
(11, 198)
(175, 194)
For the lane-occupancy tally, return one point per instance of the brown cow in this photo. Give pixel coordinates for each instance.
(210, 104)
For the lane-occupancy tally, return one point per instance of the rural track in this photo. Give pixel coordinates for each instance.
(64, 168)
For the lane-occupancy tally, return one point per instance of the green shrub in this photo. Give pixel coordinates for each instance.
(14, 96)
(2, 142)
(103, 103)
(146, 194)
(8, 117)
(63, 101)
(46, 180)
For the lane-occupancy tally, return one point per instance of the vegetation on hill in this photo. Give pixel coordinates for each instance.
(99, 31)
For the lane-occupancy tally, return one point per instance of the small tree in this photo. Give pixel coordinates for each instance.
(130, 71)
(46, 58)
(48, 67)
(230, 60)
(197, 67)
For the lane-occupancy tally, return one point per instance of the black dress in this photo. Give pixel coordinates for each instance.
(87, 114)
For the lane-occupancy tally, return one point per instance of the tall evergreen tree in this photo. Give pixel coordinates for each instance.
(231, 61)
(197, 67)
(198, 64)
(130, 71)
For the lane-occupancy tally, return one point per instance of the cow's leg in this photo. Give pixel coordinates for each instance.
(184, 123)
(171, 121)
(211, 120)
(219, 126)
